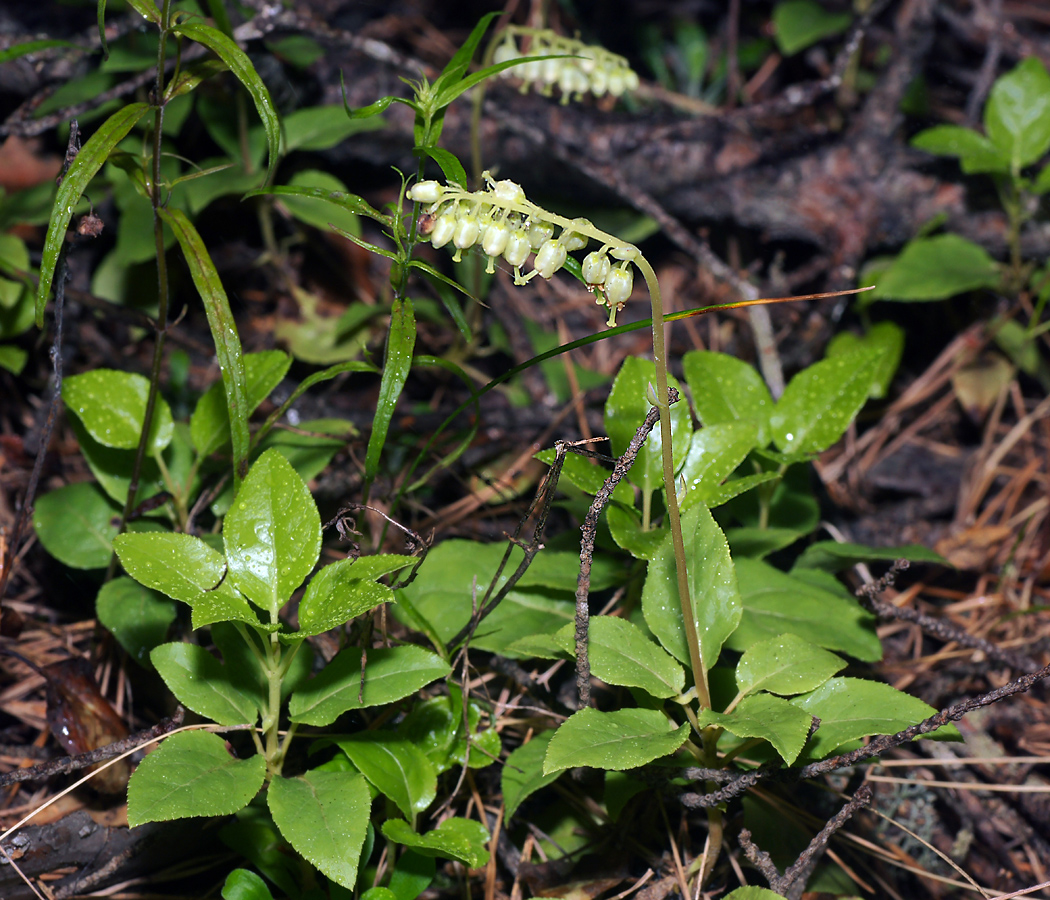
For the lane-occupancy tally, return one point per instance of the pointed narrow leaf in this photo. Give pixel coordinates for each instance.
(395, 766)
(523, 773)
(457, 67)
(272, 533)
(178, 565)
(400, 343)
(390, 674)
(712, 587)
(340, 200)
(455, 838)
(834, 556)
(785, 665)
(852, 708)
(324, 815)
(451, 167)
(819, 402)
(767, 717)
(89, 160)
(223, 331)
(621, 654)
(192, 774)
(241, 66)
(203, 684)
(624, 739)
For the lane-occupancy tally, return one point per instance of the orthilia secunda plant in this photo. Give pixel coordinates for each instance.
(508, 226)
(575, 68)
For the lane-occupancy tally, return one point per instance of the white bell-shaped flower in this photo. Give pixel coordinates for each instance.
(550, 257)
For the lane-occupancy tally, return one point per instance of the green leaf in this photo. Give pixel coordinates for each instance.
(798, 24)
(136, 616)
(436, 726)
(379, 893)
(625, 527)
(395, 766)
(390, 674)
(455, 838)
(621, 654)
(785, 665)
(321, 128)
(241, 884)
(767, 717)
(318, 208)
(13, 358)
(89, 160)
(272, 533)
(223, 604)
(324, 815)
(833, 556)
(1017, 114)
(523, 773)
(776, 604)
(457, 67)
(203, 684)
(241, 66)
(887, 337)
(400, 343)
(445, 589)
(936, 268)
(26, 47)
(976, 153)
(223, 331)
(819, 402)
(178, 565)
(752, 892)
(624, 739)
(210, 422)
(451, 167)
(852, 708)
(334, 597)
(726, 389)
(192, 774)
(412, 875)
(77, 525)
(625, 410)
(714, 453)
(760, 542)
(712, 588)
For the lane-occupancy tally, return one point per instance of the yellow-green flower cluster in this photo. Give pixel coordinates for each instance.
(506, 225)
(577, 68)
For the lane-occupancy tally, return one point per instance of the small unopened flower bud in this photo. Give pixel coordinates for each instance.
(495, 239)
(508, 192)
(595, 267)
(426, 192)
(616, 83)
(618, 286)
(444, 228)
(550, 257)
(571, 238)
(466, 234)
(628, 251)
(539, 233)
(518, 248)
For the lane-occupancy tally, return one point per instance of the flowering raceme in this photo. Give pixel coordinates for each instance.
(508, 226)
(576, 69)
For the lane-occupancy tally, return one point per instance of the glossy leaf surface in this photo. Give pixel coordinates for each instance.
(112, 407)
(462, 839)
(623, 739)
(192, 774)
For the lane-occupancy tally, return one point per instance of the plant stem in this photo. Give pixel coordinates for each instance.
(674, 518)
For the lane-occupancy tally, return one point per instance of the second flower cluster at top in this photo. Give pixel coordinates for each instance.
(507, 225)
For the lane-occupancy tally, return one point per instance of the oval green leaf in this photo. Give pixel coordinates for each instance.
(727, 389)
(136, 616)
(203, 684)
(192, 774)
(337, 594)
(523, 773)
(112, 406)
(178, 565)
(462, 839)
(395, 766)
(712, 588)
(767, 717)
(785, 665)
(390, 674)
(623, 739)
(324, 815)
(272, 533)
